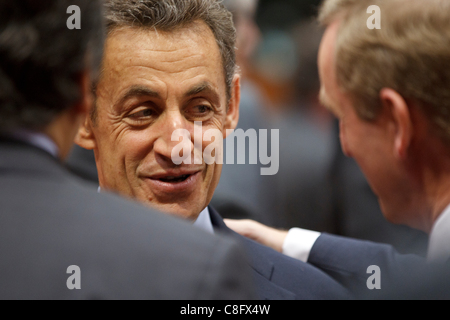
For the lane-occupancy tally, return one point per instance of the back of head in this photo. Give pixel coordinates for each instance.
(41, 59)
(410, 54)
(169, 15)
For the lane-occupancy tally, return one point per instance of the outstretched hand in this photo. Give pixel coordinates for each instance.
(258, 232)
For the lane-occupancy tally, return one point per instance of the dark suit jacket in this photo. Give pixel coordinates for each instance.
(51, 220)
(347, 261)
(279, 277)
(432, 283)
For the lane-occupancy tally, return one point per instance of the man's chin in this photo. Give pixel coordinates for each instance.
(176, 210)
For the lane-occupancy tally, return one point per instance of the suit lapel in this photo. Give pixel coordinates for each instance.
(258, 260)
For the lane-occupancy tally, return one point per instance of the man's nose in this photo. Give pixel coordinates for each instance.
(169, 123)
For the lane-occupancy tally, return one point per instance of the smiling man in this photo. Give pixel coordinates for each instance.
(169, 65)
(155, 82)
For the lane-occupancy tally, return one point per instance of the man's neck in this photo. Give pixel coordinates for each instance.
(37, 139)
(62, 130)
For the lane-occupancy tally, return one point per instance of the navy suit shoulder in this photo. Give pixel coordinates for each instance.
(52, 220)
(347, 261)
(278, 277)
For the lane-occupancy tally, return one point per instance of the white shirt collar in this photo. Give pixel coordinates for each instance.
(438, 246)
(204, 221)
(36, 139)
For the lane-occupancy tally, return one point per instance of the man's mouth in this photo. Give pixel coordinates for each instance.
(175, 179)
(169, 184)
(174, 183)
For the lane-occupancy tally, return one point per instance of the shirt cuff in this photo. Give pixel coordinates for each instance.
(299, 242)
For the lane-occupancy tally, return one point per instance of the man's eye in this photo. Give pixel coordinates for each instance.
(141, 114)
(202, 109)
(200, 112)
(141, 117)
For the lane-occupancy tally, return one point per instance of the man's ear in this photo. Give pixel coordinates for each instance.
(232, 117)
(401, 116)
(83, 108)
(85, 137)
(85, 104)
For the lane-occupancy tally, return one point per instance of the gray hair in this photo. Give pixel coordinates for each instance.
(409, 54)
(168, 15)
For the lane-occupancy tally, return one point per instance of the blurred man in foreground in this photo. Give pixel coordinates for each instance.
(169, 66)
(59, 238)
(389, 88)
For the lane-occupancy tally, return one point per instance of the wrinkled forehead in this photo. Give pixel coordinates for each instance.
(162, 62)
(169, 51)
(126, 41)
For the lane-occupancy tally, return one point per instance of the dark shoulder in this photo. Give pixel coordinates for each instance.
(124, 250)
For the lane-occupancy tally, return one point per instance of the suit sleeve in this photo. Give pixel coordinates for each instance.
(347, 261)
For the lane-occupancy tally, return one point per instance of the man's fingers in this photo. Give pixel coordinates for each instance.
(258, 232)
(247, 228)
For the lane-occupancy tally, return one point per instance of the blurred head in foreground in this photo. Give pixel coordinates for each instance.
(46, 69)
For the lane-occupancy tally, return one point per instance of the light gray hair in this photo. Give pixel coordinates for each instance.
(410, 54)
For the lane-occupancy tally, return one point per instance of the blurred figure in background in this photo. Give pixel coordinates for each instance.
(305, 138)
(238, 194)
(279, 91)
(284, 70)
(317, 187)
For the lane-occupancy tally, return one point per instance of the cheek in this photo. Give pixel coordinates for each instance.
(124, 147)
(211, 180)
(213, 135)
(136, 144)
(213, 158)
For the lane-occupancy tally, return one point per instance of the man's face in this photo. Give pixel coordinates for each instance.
(152, 84)
(371, 144)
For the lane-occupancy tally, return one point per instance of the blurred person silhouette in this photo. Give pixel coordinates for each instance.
(283, 66)
(239, 193)
(166, 71)
(269, 198)
(53, 223)
(388, 89)
(301, 185)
